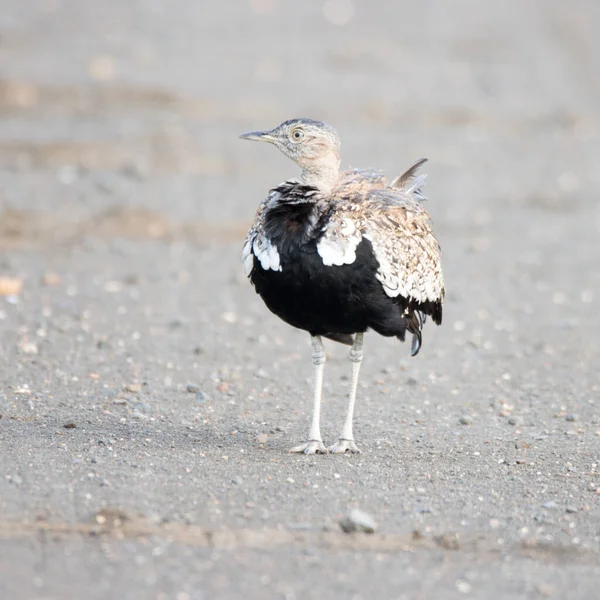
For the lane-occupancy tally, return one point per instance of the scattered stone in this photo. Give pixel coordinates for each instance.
(514, 421)
(465, 420)
(571, 509)
(464, 587)
(521, 444)
(358, 521)
(550, 505)
(192, 389)
(200, 397)
(417, 536)
(70, 425)
(111, 517)
(592, 487)
(50, 279)
(10, 286)
(102, 67)
(262, 438)
(544, 590)
(134, 388)
(448, 541)
(571, 418)
(27, 347)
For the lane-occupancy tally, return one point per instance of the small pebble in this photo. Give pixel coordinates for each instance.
(571, 418)
(50, 278)
(262, 438)
(358, 521)
(550, 505)
(134, 388)
(200, 397)
(70, 425)
(571, 509)
(464, 587)
(465, 420)
(192, 389)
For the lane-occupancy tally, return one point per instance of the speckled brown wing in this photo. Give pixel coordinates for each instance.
(408, 253)
(400, 232)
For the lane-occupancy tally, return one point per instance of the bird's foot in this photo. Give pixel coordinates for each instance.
(343, 446)
(310, 447)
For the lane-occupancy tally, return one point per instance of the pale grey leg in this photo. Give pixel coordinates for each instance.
(315, 443)
(346, 441)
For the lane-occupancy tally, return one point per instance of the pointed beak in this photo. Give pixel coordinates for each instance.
(258, 136)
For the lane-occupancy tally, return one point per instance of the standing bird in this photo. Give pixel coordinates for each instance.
(336, 253)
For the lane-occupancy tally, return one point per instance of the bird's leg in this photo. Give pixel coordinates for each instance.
(315, 443)
(346, 441)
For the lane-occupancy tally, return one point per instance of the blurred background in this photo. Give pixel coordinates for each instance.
(126, 321)
(120, 159)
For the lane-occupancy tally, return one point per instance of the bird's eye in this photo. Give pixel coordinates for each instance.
(297, 134)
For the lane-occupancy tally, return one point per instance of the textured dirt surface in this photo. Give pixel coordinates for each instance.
(148, 398)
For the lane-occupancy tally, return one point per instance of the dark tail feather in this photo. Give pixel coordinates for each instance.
(414, 324)
(416, 344)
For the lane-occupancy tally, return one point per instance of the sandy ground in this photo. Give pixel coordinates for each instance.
(148, 398)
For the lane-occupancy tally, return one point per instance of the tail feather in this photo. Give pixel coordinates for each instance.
(414, 318)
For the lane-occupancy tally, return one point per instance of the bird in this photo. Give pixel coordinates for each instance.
(336, 253)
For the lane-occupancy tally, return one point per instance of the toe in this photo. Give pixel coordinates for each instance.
(312, 447)
(344, 447)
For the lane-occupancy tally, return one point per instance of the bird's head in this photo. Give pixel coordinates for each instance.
(313, 145)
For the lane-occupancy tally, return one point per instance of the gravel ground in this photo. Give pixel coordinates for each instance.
(148, 398)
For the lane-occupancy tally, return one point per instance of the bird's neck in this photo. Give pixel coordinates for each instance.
(323, 174)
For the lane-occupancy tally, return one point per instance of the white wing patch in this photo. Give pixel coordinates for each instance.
(267, 253)
(338, 244)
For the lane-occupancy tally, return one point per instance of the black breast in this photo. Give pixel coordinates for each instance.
(317, 298)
